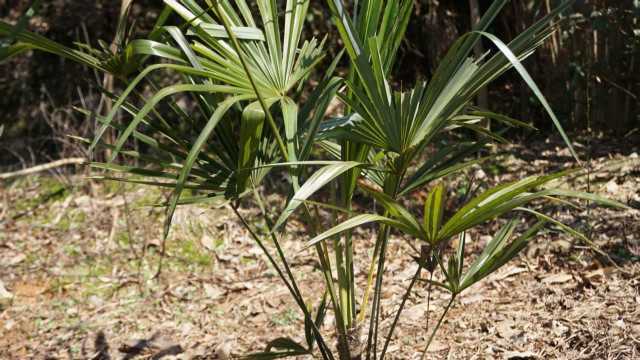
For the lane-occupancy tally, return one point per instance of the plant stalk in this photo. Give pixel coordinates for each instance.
(433, 333)
(397, 317)
(293, 288)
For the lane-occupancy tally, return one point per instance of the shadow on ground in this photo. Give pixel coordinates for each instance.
(155, 347)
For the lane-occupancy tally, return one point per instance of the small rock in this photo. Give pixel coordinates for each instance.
(9, 324)
(16, 259)
(520, 355)
(417, 312)
(212, 292)
(72, 311)
(506, 330)
(208, 242)
(223, 351)
(557, 278)
(437, 346)
(95, 301)
(5, 295)
(612, 187)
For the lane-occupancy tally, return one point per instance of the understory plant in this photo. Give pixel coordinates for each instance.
(259, 95)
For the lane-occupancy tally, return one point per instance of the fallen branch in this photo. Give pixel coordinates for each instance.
(44, 167)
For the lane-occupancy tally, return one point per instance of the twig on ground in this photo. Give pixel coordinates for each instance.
(43, 167)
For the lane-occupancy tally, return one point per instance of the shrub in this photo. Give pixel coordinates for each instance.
(256, 110)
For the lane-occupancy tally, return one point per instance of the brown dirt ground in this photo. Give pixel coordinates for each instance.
(76, 276)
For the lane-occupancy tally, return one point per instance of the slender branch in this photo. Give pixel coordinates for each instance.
(433, 333)
(326, 353)
(44, 167)
(395, 320)
(367, 291)
(428, 300)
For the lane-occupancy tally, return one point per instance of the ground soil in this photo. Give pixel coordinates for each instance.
(78, 259)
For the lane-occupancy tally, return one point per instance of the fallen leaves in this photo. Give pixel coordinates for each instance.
(5, 295)
(520, 355)
(16, 259)
(30, 289)
(557, 278)
(562, 305)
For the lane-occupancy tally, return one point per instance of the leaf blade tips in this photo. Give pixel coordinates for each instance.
(313, 184)
(513, 59)
(350, 224)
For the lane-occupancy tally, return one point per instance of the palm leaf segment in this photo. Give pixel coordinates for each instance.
(436, 231)
(256, 68)
(236, 67)
(405, 121)
(276, 63)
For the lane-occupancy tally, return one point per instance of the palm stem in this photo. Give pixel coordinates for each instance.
(323, 254)
(372, 338)
(338, 248)
(293, 288)
(367, 291)
(322, 251)
(397, 317)
(433, 333)
(391, 188)
(426, 327)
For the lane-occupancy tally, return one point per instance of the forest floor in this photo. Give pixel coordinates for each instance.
(78, 259)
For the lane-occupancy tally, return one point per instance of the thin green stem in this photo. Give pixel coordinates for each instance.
(397, 317)
(293, 288)
(281, 254)
(426, 327)
(372, 338)
(323, 254)
(343, 284)
(390, 188)
(367, 291)
(349, 273)
(346, 188)
(338, 248)
(269, 224)
(433, 333)
(325, 262)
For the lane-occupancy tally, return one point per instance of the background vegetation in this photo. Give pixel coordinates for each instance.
(588, 70)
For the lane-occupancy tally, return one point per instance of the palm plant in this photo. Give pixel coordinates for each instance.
(242, 71)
